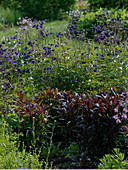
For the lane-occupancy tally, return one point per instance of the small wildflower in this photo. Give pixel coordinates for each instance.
(116, 110)
(124, 116)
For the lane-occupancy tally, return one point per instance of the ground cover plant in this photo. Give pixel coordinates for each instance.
(63, 90)
(119, 161)
(10, 157)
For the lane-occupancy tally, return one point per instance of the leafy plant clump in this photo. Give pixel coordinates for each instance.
(122, 4)
(96, 118)
(103, 25)
(114, 161)
(11, 157)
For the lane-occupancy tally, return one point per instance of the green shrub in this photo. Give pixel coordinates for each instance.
(95, 4)
(114, 161)
(103, 21)
(8, 16)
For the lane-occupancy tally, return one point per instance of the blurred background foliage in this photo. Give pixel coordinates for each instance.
(39, 9)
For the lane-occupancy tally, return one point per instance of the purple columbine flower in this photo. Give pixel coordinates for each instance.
(95, 70)
(70, 29)
(31, 61)
(83, 62)
(27, 56)
(48, 68)
(29, 43)
(58, 35)
(96, 47)
(53, 58)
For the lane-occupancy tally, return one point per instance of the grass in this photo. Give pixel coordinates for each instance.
(7, 32)
(57, 26)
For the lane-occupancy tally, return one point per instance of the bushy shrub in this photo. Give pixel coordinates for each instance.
(114, 161)
(95, 4)
(8, 16)
(90, 120)
(104, 23)
(30, 121)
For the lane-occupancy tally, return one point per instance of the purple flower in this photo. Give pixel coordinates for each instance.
(124, 116)
(29, 43)
(42, 22)
(106, 34)
(48, 68)
(95, 70)
(109, 54)
(42, 33)
(31, 61)
(116, 110)
(53, 58)
(27, 70)
(116, 118)
(58, 35)
(70, 29)
(96, 47)
(82, 38)
(44, 48)
(14, 62)
(125, 109)
(56, 45)
(27, 56)
(20, 42)
(120, 104)
(83, 62)
(127, 30)
(17, 53)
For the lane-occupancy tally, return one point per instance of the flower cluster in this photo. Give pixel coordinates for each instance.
(121, 111)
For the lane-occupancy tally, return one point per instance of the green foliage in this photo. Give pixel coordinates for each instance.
(95, 22)
(95, 4)
(114, 161)
(10, 157)
(81, 120)
(51, 9)
(30, 122)
(8, 16)
(57, 62)
(1, 26)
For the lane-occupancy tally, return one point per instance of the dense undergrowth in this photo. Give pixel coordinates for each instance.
(63, 92)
